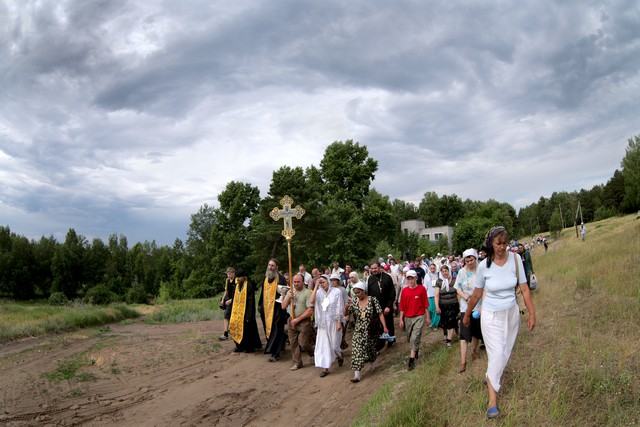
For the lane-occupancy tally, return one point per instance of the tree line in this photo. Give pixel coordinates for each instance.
(346, 220)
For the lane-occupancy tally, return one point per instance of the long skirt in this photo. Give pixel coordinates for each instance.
(499, 332)
(327, 345)
(449, 316)
(363, 349)
(435, 317)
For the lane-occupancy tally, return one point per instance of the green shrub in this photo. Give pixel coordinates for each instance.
(137, 294)
(200, 291)
(100, 295)
(603, 212)
(58, 298)
(169, 291)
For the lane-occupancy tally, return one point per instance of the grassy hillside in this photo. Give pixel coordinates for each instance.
(579, 367)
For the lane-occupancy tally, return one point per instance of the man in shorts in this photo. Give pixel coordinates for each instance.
(414, 305)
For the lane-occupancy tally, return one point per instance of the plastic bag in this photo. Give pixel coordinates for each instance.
(533, 283)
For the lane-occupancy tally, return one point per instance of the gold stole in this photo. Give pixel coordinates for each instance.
(236, 323)
(269, 296)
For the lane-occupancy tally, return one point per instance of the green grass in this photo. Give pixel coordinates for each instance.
(180, 311)
(579, 367)
(23, 319)
(19, 319)
(68, 371)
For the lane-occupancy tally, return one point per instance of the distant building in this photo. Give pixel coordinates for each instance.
(432, 234)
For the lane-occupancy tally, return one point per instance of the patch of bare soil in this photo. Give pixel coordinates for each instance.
(178, 374)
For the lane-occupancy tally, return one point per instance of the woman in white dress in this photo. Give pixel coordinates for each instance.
(328, 310)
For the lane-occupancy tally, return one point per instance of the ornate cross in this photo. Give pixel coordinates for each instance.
(287, 214)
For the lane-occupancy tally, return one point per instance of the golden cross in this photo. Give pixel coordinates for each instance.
(287, 214)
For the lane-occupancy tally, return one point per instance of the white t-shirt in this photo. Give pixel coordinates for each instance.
(429, 282)
(500, 283)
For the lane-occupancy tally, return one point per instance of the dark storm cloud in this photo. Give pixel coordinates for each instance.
(125, 117)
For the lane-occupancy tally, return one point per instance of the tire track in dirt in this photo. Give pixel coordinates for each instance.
(158, 375)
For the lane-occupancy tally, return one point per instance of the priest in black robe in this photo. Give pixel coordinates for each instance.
(274, 317)
(242, 325)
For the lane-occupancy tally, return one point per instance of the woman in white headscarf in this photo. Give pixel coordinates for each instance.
(328, 310)
(498, 276)
(465, 285)
(447, 304)
(369, 323)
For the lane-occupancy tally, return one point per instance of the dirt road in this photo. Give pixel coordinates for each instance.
(170, 375)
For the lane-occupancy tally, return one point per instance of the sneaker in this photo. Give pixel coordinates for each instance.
(295, 368)
(449, 344)
(223, 337)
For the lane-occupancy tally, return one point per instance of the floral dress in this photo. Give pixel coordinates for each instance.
(363, 341)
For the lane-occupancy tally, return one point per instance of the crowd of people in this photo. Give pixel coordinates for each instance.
(473, 296)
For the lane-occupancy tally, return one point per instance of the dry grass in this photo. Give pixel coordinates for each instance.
(579, 367)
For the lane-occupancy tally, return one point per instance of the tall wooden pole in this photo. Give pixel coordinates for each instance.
(293, 300)
(286, 213)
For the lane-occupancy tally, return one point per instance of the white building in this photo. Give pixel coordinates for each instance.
(432, 234)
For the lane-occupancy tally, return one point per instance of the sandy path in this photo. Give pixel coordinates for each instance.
(170, 375)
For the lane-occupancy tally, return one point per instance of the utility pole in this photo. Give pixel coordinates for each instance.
(575, 221)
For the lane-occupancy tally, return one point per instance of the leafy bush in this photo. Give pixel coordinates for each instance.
(58, 298)
(200, 291)
(603, 212)
(100, 295)
(137, 294)
(169, 291)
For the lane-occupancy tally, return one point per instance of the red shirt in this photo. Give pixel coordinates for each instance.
(414, 302)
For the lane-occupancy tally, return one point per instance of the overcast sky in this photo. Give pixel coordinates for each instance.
(128, 116)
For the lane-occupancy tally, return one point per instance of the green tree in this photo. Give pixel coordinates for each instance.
(470, 232)
(403, 211)
(118, 267)
(229, 243)
(429, 209)
(631, 172)
(97, 257)
(614, 191)
(555, 223)
(68, 265)
(43, 253)
(347, 172)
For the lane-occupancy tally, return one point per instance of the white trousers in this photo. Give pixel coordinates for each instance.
(499, 332)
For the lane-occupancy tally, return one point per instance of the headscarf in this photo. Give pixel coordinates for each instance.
(445, 281)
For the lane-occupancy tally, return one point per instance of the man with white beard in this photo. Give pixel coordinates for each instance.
(273, 316)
